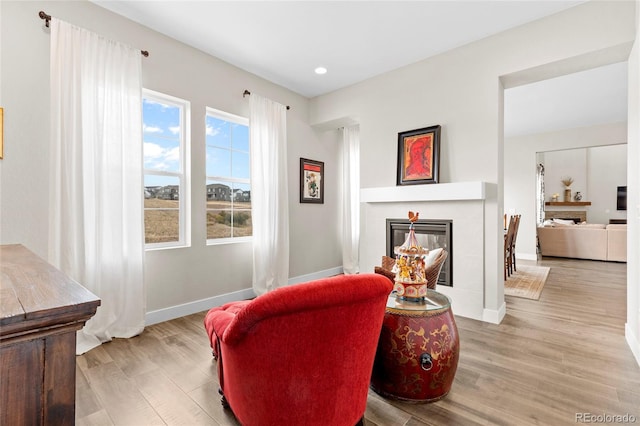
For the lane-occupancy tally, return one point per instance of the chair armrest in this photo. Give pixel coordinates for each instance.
(218, 319)
(385, 272)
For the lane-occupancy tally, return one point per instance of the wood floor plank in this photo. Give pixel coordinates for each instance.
(173, 405)
(548, 360)
(95, 357)
(87, 403)
(120, 396)
(209, 400)
(130, 356)
(99, 418)
(380, 412)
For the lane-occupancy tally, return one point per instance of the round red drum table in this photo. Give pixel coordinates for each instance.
(418, 350)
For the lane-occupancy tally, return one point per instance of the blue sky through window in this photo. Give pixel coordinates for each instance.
(161, 137)
(227, 148)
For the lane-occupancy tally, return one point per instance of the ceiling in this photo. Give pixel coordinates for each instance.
(284, 41)
(587, 98)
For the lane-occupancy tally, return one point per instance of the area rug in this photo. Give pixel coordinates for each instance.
(527, 282)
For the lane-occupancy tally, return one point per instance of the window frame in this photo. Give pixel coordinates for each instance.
(237, 119)
(183, 174)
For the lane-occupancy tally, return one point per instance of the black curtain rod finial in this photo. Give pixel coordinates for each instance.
(46, 18)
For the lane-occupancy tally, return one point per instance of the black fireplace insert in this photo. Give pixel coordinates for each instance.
(431, 234)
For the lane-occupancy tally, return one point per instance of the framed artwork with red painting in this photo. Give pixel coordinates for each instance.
(419, 156)
(311, 181)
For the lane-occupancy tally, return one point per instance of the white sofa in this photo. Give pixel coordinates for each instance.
(583, 241)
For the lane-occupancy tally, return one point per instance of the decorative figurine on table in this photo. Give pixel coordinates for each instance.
(410, 279)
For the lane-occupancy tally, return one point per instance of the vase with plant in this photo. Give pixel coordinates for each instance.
(567, 181)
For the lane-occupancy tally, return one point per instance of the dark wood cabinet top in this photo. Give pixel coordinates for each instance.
(34, 294)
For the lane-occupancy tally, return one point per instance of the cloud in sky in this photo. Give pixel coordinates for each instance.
(213, 130)
(150, 101)
(151, 129)
(161, 158)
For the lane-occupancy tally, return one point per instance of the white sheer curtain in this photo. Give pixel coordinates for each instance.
(540, 193)
(95, 205)
(351, 199)
(269, 194)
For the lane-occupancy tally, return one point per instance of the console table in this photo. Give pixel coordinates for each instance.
(40, 311)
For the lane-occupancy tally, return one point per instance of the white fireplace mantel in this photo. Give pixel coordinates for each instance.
(458, 191)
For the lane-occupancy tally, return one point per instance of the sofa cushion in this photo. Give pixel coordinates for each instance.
(431, 257)
(563, 222)
(618, 227)
(592, 225)
(617, 243)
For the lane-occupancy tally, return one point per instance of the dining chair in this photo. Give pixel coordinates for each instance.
(512, 250)
(508, 245)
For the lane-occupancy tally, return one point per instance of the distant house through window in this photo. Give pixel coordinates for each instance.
(165, 134)
(228, 177)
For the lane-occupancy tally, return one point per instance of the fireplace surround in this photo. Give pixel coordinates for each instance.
(431, 234)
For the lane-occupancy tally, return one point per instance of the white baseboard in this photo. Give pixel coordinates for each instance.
(633, 341)
(173, 312)
(316, 275)
(526, 256)
(494, 316)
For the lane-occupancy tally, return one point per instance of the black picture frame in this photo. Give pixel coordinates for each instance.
(424, 166)
(311, 181)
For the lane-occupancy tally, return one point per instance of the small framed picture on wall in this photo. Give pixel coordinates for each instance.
(311, 181)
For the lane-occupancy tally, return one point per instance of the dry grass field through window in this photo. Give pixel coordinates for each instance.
(162, 220)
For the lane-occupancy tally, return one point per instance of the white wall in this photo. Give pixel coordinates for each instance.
(632, 328)
(520, 172)
(178, 280)
(606, 170)
(558, 166)
(462, 90)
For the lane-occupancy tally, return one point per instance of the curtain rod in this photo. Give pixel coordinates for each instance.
(246, 92)
(47, 18)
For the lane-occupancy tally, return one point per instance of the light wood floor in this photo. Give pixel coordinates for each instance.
(547, 361)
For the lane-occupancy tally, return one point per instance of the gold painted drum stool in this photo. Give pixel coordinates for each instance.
(418, 350)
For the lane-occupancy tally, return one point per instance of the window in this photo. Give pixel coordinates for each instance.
(165, 134)
(228, 177)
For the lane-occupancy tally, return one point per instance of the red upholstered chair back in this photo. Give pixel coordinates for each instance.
(302, 354)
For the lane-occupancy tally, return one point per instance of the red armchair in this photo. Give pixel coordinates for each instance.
(301, 354)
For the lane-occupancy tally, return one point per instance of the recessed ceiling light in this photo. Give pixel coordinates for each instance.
(320, 70)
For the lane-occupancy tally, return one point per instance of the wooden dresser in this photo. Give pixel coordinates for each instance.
(40, 311)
